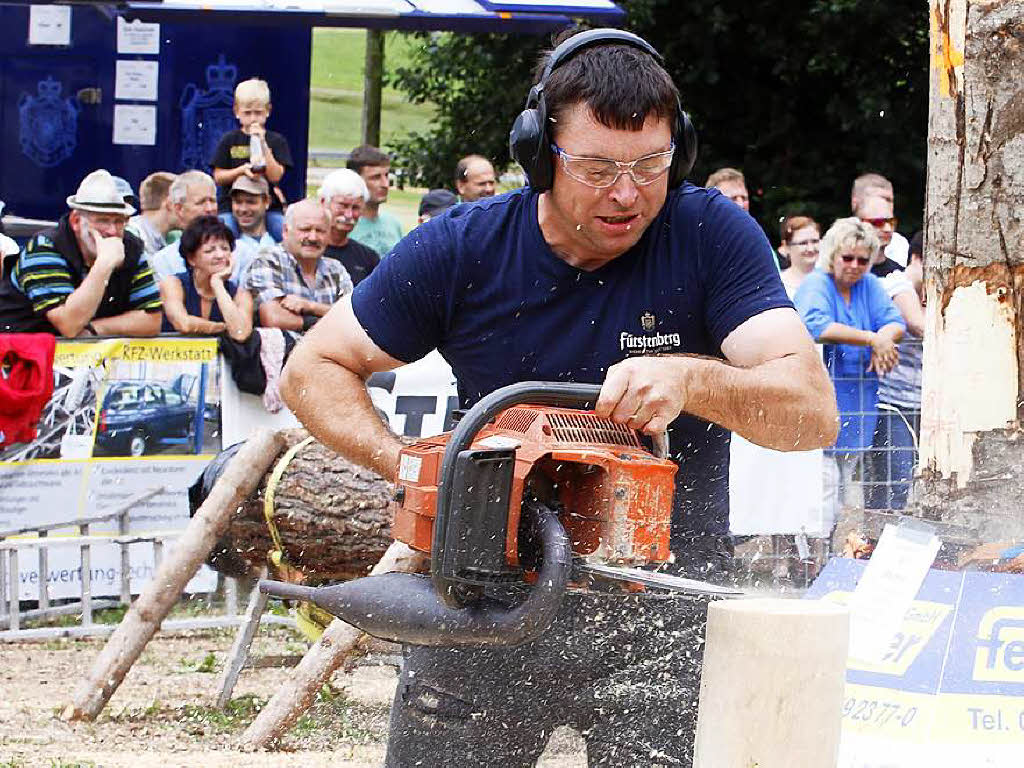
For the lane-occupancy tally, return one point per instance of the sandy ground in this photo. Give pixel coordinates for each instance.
(162, 716)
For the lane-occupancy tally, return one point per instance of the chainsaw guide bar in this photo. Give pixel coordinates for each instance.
(657, 580)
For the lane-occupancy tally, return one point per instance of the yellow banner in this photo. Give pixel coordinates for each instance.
(71, 354)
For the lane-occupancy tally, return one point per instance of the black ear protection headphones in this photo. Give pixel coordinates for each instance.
(529, 140)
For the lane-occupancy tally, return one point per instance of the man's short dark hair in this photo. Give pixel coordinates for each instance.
(201, 229)
(621, 84)
(364, 156)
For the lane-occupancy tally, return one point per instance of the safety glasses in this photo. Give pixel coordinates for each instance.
(601, 173)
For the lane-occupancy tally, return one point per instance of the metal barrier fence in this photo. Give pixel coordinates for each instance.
(37, 539)
(867, 479)
(876, 456)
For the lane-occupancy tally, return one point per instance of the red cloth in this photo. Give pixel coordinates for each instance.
(26, 383)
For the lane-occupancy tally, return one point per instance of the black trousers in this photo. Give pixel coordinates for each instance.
(623, 670)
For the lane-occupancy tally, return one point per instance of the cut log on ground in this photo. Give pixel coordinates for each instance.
(331, 515)
(240, 478)
(320, 662)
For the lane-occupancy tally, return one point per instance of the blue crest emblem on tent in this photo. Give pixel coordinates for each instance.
(207, 115)
(48, 124)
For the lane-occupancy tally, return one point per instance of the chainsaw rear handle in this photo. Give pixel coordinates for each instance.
(554, 393)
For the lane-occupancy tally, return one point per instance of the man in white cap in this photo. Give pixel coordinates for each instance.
(87, 276)
(343, 194)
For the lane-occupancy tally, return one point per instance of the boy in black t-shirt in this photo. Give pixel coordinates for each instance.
(232, 158)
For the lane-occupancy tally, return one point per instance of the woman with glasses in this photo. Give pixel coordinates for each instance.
(800, 236)
(847, 309)
(204, 300)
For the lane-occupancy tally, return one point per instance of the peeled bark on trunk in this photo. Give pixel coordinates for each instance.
(332, 517)
(971, 451)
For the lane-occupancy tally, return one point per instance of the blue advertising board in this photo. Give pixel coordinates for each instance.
(950, 688)
(57, 102)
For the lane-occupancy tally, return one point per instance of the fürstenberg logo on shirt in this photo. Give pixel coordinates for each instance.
(658, 342)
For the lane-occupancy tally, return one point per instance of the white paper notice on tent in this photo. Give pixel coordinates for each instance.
(136, 80)
(137, 37)
(134, 124)
(49, 25)
(890, 582)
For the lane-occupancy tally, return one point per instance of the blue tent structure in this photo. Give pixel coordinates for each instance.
(527, 16)
(76, 94)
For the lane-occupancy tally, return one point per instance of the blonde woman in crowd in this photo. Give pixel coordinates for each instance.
(847, 309)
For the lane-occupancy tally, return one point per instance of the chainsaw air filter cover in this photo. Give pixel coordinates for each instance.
(613, 496)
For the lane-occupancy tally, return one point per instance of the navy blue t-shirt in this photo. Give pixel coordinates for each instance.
(481, 285)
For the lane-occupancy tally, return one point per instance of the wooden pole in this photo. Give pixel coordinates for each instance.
(971, 405)
(373, 85)
(240, 478)
(320, 662)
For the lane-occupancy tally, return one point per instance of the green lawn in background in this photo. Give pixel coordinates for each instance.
(336, 84)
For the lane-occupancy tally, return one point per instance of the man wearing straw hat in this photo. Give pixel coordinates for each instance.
(86, 277)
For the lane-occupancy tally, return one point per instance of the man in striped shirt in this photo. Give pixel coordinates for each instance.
(87, 276)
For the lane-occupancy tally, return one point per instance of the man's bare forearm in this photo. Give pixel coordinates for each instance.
(272, 315)
(136, 322)
(333, 404)
(80, 307)
(788, 404)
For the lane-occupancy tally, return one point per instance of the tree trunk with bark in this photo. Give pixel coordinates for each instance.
(972, 454)
(332, 517)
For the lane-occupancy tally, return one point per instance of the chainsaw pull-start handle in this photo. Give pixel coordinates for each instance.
(554, 393)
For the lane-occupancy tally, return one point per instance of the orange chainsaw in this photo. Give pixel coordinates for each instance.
(529, 494)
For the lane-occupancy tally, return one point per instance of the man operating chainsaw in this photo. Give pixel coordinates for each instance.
(607, 269)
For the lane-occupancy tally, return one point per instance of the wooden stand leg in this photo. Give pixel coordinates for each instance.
(240, 649)
(140, 623)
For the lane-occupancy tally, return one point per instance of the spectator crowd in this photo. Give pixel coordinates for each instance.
(226, 254)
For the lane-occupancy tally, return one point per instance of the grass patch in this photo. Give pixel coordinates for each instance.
(336, 80)
(335, 121)
(103, 616)
(199, 720)
(339, 56)
(206, 665)
(345, 718)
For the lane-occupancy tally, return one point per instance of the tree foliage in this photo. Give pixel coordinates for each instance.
(802, 95)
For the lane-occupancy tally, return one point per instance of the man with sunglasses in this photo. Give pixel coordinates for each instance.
(87, 276)
(606, 269)
(872, 201)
